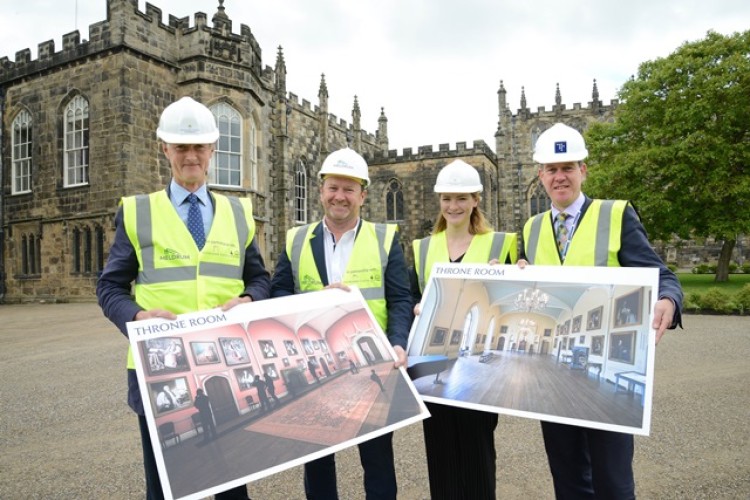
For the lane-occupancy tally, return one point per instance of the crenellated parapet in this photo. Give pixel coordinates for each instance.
(177, 43)
(594, 108)
(479, 147)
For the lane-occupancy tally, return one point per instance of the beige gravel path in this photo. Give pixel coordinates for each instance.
(66, 431)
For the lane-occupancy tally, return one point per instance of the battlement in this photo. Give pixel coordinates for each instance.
(305, 107)
(479, 147)
(144, 32)
(542, 112)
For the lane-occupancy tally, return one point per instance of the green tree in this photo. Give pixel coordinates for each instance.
(679, 146)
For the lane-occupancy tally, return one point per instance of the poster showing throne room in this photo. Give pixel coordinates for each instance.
(517, 356)
(234, 354)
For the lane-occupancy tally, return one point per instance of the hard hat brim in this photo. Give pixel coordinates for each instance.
(208, 138)
(544, 159)
(364, 182)
(459, 189)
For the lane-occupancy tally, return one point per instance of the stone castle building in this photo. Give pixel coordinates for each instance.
(77, 132)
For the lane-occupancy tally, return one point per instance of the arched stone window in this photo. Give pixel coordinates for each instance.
(394, 201)
(536, 131)
(76, 142)
(21, 153)
(87, 250)
(31, 261)
(538, 200)
(300, 193)
(226, 164)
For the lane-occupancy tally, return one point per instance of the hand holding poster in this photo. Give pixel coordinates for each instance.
(564, 344)
(231, 397)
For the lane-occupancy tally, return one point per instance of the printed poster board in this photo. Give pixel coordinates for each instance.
(288, 380)
(572, 345)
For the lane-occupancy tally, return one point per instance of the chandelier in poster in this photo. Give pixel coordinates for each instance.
(234, 396)
(564, 344)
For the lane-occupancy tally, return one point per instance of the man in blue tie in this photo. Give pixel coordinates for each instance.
(186, 249)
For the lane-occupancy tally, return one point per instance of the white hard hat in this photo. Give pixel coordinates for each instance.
(458, 177)
(560, 144)
(187, 122)
(346, 162)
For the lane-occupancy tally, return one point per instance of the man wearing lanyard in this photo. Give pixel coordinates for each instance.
(578, 231)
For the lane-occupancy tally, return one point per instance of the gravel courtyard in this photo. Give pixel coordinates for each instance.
(66, 430)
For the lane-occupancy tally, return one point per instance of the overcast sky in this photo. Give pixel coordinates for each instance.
(434, 65)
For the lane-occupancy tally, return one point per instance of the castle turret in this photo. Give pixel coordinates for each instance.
(221, 21)
(595, 102)
(523, 112)
(559, 106)
(323, 115)
(280, 72)
(503, 123)
(281, 169)
(381, 136)
(356, 125)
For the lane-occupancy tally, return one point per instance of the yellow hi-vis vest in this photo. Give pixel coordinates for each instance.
(172, 273)
(365, 269)
(483, 248)
(595, 241)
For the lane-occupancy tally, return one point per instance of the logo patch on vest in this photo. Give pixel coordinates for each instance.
(308, 280)
(221, 249)
(169, 254)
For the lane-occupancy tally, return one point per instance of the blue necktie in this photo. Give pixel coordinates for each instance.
(195, 221)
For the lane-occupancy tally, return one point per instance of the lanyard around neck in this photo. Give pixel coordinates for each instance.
(573, 227)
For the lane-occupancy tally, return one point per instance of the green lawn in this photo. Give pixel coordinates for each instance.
(701, 282)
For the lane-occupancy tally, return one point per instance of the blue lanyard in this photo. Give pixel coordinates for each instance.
(564, 251)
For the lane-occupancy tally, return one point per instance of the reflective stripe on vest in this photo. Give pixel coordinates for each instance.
(208, 277)
(369, 278)
(150, 274)
(601, 224)
(483, 248)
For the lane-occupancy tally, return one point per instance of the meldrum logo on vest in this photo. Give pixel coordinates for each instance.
(308, 280)
(169, 254)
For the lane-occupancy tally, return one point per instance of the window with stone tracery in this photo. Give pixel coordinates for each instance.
(76, 142)
(87, 250)
(538, 200)
(226, 163)
(21, 153)
(31, 261)
(394, 201)
(300, 193)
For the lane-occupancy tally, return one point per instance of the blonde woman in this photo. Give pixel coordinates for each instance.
(459, 442)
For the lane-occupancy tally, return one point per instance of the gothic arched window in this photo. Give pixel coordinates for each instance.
(21, 153)
(394, 201)
(226, 164)
(538, 200)
(31, 260)
(300, 193)
(76, 142)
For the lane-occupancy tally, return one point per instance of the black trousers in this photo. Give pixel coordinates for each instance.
(153, 485)
(589, 463)
(376, 456)
(460, 448)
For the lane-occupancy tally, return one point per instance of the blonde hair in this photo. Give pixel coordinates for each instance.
(477, 222)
